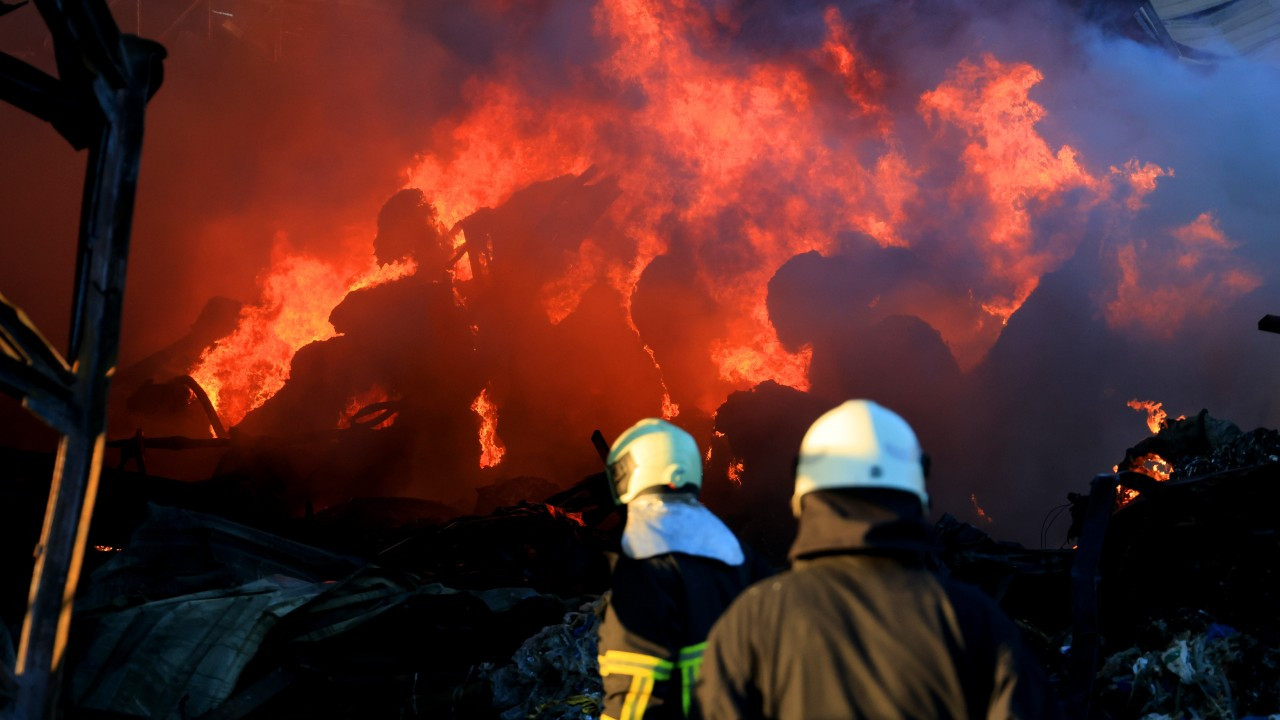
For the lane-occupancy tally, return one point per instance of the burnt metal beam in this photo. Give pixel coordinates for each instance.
(37, 93)
(1269, 323)
(98, 101)
(32, 369)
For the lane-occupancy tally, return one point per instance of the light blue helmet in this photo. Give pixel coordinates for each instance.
(652, 453)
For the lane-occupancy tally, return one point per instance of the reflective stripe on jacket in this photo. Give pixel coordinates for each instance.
(652, 638)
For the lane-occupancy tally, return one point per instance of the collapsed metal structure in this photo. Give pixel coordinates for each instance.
(97, 102)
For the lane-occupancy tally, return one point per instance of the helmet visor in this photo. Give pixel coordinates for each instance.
(620, 472)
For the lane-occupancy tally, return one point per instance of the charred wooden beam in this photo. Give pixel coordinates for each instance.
(98, 101)
(1269, 323)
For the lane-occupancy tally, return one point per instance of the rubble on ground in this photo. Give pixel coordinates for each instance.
(378, 608)
(244, 623)
(1213, 672)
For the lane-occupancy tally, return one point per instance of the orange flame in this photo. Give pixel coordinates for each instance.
(862, 84)
(246, 368)
(560, 296)
(1151, 465)
(1162, 285)
(1012, 168)
(1142, 181)
(491, 447)
(1157, 418)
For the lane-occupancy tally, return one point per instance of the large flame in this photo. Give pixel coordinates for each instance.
(759, 158)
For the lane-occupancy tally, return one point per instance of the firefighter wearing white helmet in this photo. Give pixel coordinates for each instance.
(861, 626)
(680, 566)
(860, 444)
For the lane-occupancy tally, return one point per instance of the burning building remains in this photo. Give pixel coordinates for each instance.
(429, 249)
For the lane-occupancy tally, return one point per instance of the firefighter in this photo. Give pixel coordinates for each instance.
(859, 627)
(680, 566)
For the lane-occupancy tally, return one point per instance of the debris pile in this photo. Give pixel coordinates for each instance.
(554, 675)
(1203, 445)
(244, 623)
(1165, 607)
(1213, 671)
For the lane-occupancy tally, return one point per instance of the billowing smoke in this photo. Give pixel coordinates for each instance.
(999, 218)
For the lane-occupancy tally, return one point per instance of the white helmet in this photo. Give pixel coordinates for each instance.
(652, 453)
(860, 445)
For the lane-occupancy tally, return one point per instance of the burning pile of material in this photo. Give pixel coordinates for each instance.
(683, 204)
(1190, 448)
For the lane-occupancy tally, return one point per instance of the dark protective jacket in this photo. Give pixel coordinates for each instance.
(655, 628)
(860, 628)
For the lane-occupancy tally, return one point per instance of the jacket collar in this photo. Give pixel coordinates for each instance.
(865, 520)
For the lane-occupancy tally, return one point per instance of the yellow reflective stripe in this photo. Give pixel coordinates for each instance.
(637, 698)
(607, 717)
(629, 663)
(644, 670)
(690, 663)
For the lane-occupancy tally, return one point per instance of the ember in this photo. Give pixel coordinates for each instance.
(736, 468)
(982, 514)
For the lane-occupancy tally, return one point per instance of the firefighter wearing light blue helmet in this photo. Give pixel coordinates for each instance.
(653, 453)
(678, 568)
